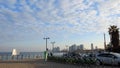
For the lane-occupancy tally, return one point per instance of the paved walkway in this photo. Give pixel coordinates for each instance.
(43, 64)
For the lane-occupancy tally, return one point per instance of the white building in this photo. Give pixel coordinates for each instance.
(96, 47)
(56, 49)
(73, 48)
(80, 47)
(92, 47)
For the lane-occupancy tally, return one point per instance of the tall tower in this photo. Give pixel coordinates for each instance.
(92, 48)
(104, 42)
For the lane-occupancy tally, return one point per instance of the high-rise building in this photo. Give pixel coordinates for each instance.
(73, 48)
(92, 48)
(56, 49)
(80, 47)
(96, 47)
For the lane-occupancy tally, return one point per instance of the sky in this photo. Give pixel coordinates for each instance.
(24, 23)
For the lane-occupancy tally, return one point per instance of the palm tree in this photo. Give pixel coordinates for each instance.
(114, 36)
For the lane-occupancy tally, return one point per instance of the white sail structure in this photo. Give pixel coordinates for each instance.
(14, 52)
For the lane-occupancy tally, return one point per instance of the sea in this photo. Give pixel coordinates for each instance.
(21, 56)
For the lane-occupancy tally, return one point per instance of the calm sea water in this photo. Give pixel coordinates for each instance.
(22, 55)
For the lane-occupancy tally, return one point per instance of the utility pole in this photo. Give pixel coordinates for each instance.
(104, 42)
(46, 38)
(53, 46)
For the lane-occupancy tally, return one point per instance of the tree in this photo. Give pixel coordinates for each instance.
(114, 37)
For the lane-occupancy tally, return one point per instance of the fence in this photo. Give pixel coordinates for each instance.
(20, 57)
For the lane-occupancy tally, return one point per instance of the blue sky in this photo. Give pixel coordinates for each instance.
(24, 23)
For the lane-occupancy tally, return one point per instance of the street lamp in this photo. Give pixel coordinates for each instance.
(53, 45)
(46, 38)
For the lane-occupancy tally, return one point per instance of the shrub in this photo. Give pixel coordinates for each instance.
(71, 60)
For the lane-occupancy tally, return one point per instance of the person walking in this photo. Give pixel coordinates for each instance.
(45, 55)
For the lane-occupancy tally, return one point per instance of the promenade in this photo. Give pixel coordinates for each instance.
(42, 64)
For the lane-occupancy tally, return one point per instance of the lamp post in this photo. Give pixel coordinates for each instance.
(53, 46)
(46, 38)
(46, 53)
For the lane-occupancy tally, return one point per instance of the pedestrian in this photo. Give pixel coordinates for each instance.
(45, 55)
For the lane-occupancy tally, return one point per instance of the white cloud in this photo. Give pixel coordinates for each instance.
(70, 16)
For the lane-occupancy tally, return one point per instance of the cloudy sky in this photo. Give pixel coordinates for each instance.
(24, 23)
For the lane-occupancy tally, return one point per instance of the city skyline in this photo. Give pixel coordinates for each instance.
(24, 23)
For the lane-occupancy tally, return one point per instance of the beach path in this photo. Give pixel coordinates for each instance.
(42, 64)
(34, 64)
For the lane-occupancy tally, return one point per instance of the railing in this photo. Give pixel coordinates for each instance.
(20, 57)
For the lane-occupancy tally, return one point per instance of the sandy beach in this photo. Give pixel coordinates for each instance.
(43, 64)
